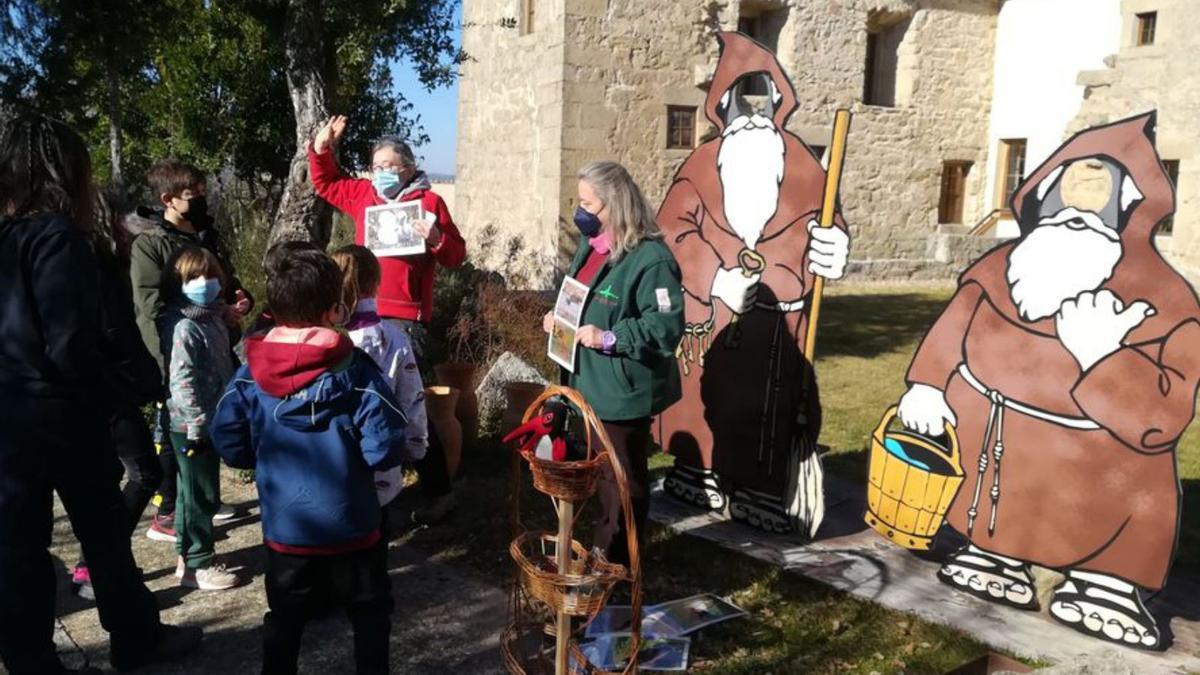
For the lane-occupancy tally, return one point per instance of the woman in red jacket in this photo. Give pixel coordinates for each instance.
(406, 289)
(406, 292)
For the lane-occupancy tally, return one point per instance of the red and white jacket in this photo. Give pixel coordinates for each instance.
(406, 291)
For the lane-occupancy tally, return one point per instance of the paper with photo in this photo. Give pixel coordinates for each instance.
(568, 314)
(388, 229)
(612, 652)
(668, 619)
(687, 615)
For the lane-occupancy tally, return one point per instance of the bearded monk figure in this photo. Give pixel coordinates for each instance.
(1067, 362)
(739, 219)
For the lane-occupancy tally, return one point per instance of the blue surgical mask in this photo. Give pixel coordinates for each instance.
(588, 223)
(201, 291)
(386, 182)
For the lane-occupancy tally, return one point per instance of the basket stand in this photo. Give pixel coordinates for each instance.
(581, 582)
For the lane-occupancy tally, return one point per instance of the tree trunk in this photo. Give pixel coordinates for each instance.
(116, 144)
(301, 214)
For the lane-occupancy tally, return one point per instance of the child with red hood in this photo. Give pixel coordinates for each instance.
(315, 418)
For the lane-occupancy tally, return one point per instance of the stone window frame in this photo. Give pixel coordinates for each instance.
(881, 24)
(952, 205)
(526, 18)
(1167, 227)
(1145, 28)
(680, 138)
(1008, 177)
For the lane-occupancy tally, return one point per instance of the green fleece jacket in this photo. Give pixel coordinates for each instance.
(640, 299)
(155, 285)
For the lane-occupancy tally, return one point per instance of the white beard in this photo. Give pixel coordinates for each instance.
(1055, 263)
(750, 163)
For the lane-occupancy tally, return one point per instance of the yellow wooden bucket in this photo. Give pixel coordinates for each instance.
(912, 481)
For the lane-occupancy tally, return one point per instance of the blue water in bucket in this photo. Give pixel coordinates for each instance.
(897, 450)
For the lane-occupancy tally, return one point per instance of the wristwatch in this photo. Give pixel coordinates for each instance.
(608, 341)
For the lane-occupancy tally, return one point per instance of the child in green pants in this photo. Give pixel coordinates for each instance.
(199, 365)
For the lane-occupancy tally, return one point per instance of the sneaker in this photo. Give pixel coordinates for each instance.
(226, 512)
(180, 568)
(81, 583)
(437, 511)
(162, 528)
(174, 642)
(211, 578)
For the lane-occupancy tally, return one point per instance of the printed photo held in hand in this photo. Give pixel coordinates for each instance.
(568, 312)
(1065, 368)
(391, 229)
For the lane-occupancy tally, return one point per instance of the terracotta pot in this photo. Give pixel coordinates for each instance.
(439, 407)
(461, 376)
(519, 395)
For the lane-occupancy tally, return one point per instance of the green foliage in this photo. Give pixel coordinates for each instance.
(205, 80)
(478, 315)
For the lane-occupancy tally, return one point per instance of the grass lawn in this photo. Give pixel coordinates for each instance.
(868, 334)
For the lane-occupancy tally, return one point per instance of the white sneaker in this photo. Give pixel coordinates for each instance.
(180, 568)
(211, 578)
(226, 512)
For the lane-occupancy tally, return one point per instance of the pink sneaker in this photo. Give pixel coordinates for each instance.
(162, 528)
(81, 583)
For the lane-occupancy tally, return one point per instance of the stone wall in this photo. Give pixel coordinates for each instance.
(622, 64)
(510, 127)
(1161, 76)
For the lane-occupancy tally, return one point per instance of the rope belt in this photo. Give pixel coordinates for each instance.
(993, 437)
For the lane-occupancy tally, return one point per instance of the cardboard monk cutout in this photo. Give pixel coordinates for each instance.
(1067, 363)
(739, 218)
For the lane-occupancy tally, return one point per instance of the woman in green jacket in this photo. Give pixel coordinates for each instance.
(631, 324)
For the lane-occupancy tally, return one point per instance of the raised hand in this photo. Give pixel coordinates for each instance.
(329, 134)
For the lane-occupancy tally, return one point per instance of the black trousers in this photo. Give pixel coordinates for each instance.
(52, 446)
(301, 587)
(168, 466)
(631, 443)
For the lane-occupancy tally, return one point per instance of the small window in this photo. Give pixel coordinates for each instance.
(1012, 169)
(1167, 226)
(526, 20)
(1147, 22)
(681, 127)
(881, 64)
(953, 193)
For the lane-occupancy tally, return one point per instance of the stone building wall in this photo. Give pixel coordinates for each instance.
(624, 61)
(1160, 76)
(510, 119)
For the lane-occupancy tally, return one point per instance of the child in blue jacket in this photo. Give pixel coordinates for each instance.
(315, 418)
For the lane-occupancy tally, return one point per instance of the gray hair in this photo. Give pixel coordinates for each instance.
(397, 145)
(630, 217)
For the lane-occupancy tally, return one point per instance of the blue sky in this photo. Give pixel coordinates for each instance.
(438, 110)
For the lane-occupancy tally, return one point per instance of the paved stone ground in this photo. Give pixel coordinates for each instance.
(854, 559)
(446, 621)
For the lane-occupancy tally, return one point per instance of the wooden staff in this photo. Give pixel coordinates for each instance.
(833, 179)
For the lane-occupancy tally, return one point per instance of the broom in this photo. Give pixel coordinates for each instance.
(806, 476)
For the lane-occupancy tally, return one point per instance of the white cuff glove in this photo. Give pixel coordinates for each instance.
(1093, 325)
(923, 409)
(735, 289)
(828, 250)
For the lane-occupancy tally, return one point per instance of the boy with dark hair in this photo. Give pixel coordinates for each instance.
(181, 223)
(315, 418)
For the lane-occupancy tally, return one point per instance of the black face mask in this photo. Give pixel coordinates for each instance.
(197, 211)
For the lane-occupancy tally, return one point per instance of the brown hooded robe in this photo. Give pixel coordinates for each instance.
(1104, 500)
(743, 384)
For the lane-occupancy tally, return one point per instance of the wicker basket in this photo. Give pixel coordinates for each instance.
(580, 590)
(528, 649)
(573, 481)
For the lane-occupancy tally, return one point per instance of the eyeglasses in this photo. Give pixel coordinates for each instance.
(387, 166)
